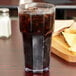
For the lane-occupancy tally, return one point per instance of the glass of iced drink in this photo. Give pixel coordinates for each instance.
(36, 21)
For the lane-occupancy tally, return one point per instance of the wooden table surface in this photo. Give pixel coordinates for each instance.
(11, 54)
(12, 57)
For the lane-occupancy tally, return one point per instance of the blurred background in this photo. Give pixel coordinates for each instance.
(65, 9)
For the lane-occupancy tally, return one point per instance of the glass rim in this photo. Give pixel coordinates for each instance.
(49, 4)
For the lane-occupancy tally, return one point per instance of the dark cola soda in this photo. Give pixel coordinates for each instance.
(36, 29)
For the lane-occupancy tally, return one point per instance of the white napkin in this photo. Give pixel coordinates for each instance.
(61, 24)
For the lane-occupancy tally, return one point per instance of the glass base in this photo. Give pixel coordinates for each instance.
(36, 71)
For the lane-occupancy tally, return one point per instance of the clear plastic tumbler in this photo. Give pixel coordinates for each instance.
(36, 21)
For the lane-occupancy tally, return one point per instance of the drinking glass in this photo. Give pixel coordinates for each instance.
(36, 21)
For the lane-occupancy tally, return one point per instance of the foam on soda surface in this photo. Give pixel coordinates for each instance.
(36, 10)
